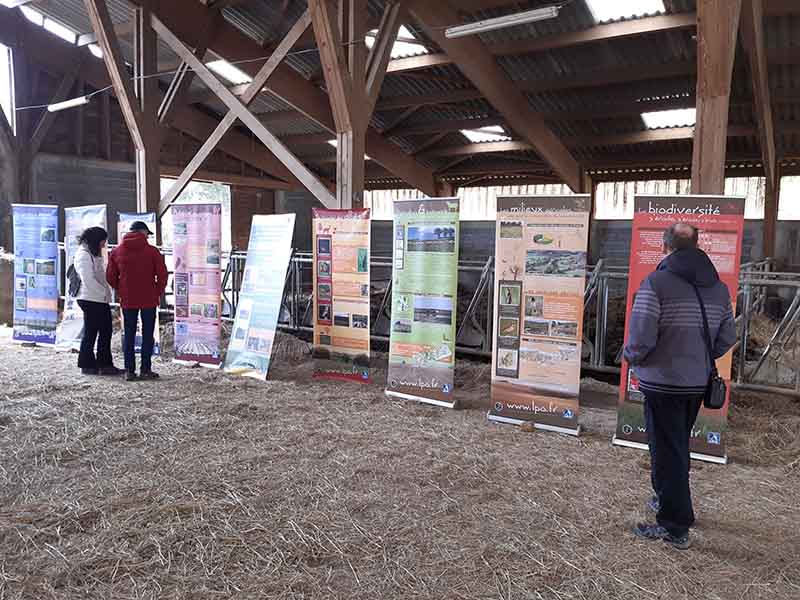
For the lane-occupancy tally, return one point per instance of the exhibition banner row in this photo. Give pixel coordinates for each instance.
(422, 344)
(540, 273)
(341, 294)
(35, 273)
(538, 301)
(123, 226)
(720, 221)
(261, 297)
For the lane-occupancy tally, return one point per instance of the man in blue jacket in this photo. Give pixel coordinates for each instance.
(667, 350)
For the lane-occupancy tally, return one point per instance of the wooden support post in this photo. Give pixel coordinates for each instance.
(104, 128)
(752, 36)
(589, 186)
(771, 198)
(254, 88)
(148, 157)
(80, 118)
(9, 180)
(306, 177)
(353, 80)
(717, 27)
(178, 89)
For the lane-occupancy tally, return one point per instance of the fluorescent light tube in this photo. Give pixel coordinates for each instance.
(72, 103)
(530, 16)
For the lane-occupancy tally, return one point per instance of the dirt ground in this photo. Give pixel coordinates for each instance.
(209, 486)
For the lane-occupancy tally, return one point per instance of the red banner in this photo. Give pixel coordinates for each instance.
(720, 221)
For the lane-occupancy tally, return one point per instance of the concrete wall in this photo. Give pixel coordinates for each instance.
(246, 202)
(68, 181)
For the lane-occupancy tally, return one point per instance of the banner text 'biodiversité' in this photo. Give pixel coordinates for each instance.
(720, 221)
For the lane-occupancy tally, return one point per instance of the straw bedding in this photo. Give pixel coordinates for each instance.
(209, 486)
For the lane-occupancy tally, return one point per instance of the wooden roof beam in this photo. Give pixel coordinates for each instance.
(751, 32)
(58, 56)
(599, 33)
(480, 67)
(233, 45)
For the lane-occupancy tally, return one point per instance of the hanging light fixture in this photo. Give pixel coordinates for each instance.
(530, 16)
(72, 103)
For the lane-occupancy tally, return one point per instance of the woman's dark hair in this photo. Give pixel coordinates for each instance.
(92, 238)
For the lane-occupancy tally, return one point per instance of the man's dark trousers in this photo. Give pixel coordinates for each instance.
(130, 316)
(669, 419)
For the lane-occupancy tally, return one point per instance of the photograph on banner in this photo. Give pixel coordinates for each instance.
(720, 221)
(196, 250)
(268, 254)
(341, 294)
(424, 300)
(123, 226)
(77, 219)
(35, 273)
(540, 270)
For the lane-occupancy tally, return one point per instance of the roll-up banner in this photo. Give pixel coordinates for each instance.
(540, 272)
(720, 220)
(341, 294)
(261, 296)
(35, 273)
(76, 220)
(196, 239)
(123, 227)
(424, 300)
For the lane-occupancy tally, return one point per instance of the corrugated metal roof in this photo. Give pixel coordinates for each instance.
(266, 21)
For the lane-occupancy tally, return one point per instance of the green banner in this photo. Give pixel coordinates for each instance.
(424, 299)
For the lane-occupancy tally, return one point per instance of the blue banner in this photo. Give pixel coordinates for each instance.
(35, 273)
(268, 255)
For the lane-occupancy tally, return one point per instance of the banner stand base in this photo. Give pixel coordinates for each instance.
(543, 426)
(719, 460)
(420, 399)
(195, 363)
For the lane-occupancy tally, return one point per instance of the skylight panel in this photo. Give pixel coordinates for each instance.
(34, 16)
(405, 44)
(613, 10)
(57, 29)
(228, 71)
(494, 133)
(335, 144)
(680, 117)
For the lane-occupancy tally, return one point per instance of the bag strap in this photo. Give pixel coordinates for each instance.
(707, 335)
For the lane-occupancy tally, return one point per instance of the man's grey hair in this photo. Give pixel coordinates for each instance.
(681, 236)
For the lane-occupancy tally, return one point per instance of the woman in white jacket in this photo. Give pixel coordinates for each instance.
(94, 297)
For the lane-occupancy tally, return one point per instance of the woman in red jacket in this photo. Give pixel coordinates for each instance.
(137, 271)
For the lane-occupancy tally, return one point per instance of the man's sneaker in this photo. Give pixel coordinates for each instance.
(131, 376)
(112, 371)
(651, 532)
(89, 371)
(653, 504)
(148, 375)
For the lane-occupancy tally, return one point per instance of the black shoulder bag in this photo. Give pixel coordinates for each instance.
(716, 390)
(73, 281)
